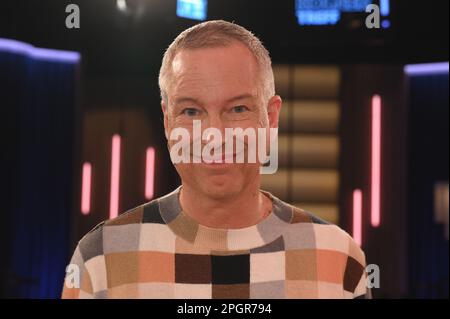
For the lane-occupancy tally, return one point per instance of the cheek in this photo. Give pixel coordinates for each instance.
(186, 172)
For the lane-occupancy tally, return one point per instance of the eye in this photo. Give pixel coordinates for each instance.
(240, 109)
(190, 111)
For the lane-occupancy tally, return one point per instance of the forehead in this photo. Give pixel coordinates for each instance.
(214, 74)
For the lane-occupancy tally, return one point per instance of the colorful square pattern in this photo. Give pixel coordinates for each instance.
(157, 251)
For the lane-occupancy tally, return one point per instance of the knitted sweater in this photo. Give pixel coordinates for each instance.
(157, 251)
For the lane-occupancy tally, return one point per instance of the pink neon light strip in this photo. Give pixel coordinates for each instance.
(357, 216)
(115, 177)
(376, 161)
(149, 173)
(86, 188)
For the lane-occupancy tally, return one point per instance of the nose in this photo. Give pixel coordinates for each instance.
(214, 121)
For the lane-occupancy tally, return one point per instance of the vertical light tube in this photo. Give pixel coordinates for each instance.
(115, 176)
(376, 162)
(385, 7)
(86, 181)
(357, 216)
(149, 173)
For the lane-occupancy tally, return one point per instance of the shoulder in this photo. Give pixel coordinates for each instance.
(124, 227)
(328, 236)
(333, 247)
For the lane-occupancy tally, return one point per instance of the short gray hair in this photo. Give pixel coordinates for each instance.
(217, 33)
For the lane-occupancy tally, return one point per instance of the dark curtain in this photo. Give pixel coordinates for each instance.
(387, 245)
(37, 99)
(429, 163)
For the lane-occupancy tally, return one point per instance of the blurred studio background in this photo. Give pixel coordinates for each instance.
(363, 137)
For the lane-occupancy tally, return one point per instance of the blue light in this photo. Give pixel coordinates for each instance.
(318, 17)
(192, 9)
(354, 5)
(18, 47)
(316, 4)
(384, 7)
(326, 12)
(386, 24)
(427, 68)
(342, 5)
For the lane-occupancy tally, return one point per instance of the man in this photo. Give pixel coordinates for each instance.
(218, 235)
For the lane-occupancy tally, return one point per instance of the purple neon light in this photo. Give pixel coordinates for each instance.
(18, 47)
(426, 68)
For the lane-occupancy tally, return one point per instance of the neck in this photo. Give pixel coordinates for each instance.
(244, 209)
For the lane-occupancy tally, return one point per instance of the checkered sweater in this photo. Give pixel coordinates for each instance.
(157, 251)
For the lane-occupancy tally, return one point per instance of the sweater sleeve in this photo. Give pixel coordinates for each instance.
(362, 291)
(356, 274)
(77, 284)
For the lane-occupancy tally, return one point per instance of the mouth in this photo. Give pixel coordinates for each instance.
(224, 159)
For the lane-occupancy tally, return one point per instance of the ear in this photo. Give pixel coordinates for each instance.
(273, 110)
(166, 120)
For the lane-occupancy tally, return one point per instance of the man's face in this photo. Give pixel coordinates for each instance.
(220, 87)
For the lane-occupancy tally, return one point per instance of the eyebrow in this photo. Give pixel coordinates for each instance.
(241, 97)
(182, 99)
